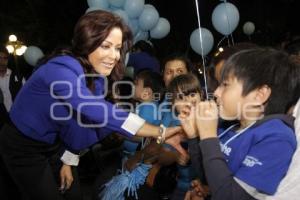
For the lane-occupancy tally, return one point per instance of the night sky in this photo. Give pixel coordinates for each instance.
(48, 23)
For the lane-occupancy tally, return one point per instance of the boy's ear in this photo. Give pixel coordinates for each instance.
(262, 94)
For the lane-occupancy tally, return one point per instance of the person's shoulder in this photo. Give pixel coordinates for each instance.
(147, 106)
(275, 128)
(65, 60)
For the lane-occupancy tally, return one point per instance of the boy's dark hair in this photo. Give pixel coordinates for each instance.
(152, 80)
(185, 84)
(264, 66)
(177, 56)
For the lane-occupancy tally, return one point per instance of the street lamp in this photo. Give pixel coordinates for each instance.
(14, 46)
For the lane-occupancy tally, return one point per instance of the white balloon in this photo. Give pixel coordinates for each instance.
(134, 25)
(161, 29)
(122, 14)
(32, 55)
(249, 28)
(141, 35)
(117, 3)
(207, 41)
(92, 9)
(134, 8)
(148, 19)
(225, 18)
(100, 4)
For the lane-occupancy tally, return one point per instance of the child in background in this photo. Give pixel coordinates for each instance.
(247, 160)
(149, 91)
(186, 92)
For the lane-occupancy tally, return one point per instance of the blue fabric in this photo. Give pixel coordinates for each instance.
(130, 181)
(185, 175)
(31, 109)
(142, 60)
(261, 155)
(149, 112)
(168, 118)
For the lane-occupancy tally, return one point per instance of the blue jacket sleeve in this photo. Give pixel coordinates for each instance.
(68, 85)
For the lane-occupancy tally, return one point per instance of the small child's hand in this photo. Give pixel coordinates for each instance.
(188, 121)
(199, 189)
(207, 119)
(183, 158)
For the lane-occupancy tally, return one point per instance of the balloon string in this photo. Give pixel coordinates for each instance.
(229, 25)
(221, 40)
(200, 36)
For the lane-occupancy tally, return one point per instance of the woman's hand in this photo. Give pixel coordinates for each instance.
(66, 177)
(207, 119)
(170, 131)
(175, 141)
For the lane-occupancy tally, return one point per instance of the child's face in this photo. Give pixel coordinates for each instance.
(182, 101)
(232, 104)
(142, 93)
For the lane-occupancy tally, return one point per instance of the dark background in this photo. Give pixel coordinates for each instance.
(49, 23)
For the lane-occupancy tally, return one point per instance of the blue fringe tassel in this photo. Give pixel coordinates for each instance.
(130, 181)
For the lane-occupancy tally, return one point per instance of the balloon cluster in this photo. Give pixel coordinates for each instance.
(225, 19)
(143, 19)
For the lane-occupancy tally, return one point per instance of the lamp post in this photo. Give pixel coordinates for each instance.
(16, 48)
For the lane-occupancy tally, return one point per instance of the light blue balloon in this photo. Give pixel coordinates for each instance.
(148, 19)
(117, 3)
(113, 8)
(134, 8)
(122, 14)
(134, 25)
(249, 28)
(207, 41)
(101, 4)
(32, 55)
(161, 29)
(225, 18)
(149, 6)
(92, 9)
(141, 35)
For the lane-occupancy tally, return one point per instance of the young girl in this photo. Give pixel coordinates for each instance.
(186, 92)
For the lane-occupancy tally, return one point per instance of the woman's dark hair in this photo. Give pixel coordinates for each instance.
(177, 56)
(184, 84)
(264, 66)
(89, 33)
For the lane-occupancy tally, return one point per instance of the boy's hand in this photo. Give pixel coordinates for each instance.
(207, 119)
